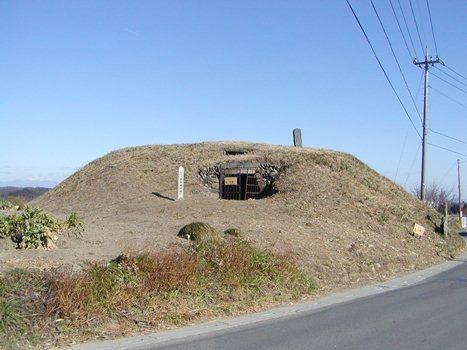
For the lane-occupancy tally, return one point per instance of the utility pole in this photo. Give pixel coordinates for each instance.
(426, 65)
(459, 188)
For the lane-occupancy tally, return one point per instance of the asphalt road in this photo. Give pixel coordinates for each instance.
(430, 315)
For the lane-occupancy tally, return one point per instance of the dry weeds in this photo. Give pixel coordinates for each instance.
(144, 292)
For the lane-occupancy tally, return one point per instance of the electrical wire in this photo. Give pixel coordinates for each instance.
(452, 70)
(447, 136)
(446, 149)
(413, 163)
(447, 172)
(389, 80)
(397, 61)
(449, 83)
(416, 25)
(451, 76)
(382, 68)
(402, 153)
(431, 25)
(447, 96)
(407, 27)
(412, 57)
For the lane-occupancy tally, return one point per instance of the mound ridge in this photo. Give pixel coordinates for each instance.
(344, 223)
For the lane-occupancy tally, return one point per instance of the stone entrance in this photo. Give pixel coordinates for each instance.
(240, 181)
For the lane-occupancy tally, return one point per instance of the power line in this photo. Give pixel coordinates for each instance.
(447, 149)
(447, 96)
(452, 77)
(407, 27)
(402, 32)
(402, 153)
(449, 83)
(447, 172)
(426, 64)
(447, 136)
(413, 163)
(431, 25)
(452, 70)
(382, 68)
(397, 61)
(416, 24)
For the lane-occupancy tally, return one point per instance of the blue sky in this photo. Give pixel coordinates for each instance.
(82, 78)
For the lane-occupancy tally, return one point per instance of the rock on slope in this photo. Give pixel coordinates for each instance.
(345, 223)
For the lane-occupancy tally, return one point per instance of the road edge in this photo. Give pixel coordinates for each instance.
(215, 326)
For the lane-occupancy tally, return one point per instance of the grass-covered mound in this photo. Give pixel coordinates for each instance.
(199, 232)
(344, 222)
(144, 292)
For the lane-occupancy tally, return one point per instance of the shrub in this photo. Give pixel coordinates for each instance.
(199, 232)
(5, 205)
(33, 228)
(74, 224)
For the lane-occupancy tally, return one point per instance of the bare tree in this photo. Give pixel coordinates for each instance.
(436, 195)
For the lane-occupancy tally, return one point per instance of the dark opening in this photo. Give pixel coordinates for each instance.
(242, 181)
(235, 152)
(239, 187)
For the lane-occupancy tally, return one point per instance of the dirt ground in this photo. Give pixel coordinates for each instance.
(345, 224)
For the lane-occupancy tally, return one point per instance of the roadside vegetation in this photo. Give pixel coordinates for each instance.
(33, 228)
(138, 293)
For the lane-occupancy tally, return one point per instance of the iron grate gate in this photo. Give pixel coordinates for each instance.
(239, 184)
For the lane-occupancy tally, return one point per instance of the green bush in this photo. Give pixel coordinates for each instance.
(5, 204)
(74, 224)
(33, 228)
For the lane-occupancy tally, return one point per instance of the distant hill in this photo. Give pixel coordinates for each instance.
(26, 192)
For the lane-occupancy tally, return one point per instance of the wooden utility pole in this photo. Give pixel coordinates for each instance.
(426, 65)
(459, 188)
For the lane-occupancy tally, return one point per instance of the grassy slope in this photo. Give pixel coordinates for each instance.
(345, 222)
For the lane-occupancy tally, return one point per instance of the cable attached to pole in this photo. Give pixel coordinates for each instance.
(382, 68)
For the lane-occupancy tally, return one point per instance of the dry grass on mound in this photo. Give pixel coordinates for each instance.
(144, 292)
(345, 223)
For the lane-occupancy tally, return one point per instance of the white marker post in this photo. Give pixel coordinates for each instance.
(181, 176)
